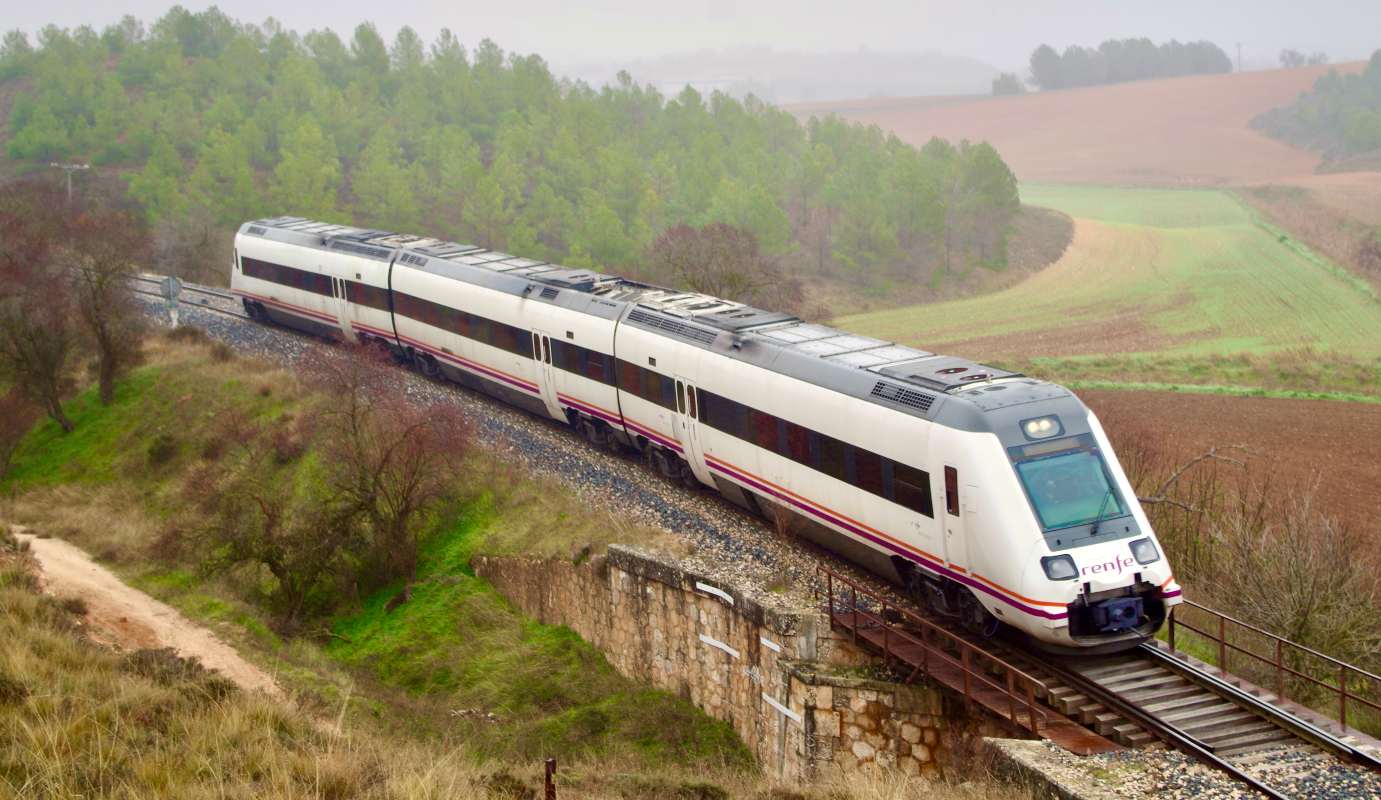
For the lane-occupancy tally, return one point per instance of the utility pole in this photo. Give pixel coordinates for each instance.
(69, 169)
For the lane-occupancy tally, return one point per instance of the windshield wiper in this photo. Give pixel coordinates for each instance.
(1106, 497)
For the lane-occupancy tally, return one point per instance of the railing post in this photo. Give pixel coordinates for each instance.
(1280, 672)
(886, 638)
(1172, 629)
(550, 784)
(1223, 645)
(829, 594)
(1342, 695)
(968, 699)
(1031, 706)
(853, 598)
(1011, 698)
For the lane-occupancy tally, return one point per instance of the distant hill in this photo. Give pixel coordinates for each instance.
(796, 77)
(1191, 131)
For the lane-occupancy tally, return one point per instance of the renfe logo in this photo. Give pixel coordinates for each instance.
(1115, 565)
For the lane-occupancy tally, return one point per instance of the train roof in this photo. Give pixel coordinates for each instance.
(916, 382)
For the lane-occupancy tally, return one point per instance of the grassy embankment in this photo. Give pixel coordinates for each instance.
(451, 694)
(115, 486)
(1183, 289)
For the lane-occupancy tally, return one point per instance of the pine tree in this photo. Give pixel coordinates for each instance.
(308, 176)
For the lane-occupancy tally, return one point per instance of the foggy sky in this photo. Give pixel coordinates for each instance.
(1000, 32)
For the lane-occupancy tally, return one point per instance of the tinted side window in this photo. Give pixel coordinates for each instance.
(834, 457)
(868, 471)
(764, 430)
(911, 488)
(952, 491)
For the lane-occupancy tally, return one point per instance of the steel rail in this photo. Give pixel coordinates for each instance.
(1277, 714)
(1159, 728)
(198, 306)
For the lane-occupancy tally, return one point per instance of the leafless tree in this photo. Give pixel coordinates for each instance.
(724, 261)
(389, 458)
(37, 338)
(104, 250)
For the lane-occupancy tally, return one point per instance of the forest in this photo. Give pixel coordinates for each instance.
(1340, 116)
(209, 122)
(1121, 60)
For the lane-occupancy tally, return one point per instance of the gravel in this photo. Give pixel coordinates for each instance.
(1299, 771)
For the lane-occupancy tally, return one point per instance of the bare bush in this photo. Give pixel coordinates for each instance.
(1300, 574)
(724, 261)
(105, 249)
(37, 337)
(17, 415)
(389, 459)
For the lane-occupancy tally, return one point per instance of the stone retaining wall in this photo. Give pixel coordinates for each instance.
(776, 675)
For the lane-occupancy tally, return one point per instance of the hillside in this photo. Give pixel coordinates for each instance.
(1191, 131)
(1170, 275)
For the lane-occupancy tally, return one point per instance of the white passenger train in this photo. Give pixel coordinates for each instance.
(993, 496)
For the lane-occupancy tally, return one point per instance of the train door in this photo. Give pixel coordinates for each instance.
(688, 429)
(546, 374)
(956, 540)
(341, 307)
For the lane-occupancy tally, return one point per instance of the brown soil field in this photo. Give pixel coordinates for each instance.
(1177, 132)
(1355, 194)
(1294, 442)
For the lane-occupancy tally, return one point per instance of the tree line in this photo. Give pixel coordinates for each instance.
(212, 122)
(1121, 60)
(1340, 116)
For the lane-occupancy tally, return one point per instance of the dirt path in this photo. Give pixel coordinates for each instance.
(121, 615)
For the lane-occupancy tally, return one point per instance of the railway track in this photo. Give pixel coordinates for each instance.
(1143, 698)
(148, 285)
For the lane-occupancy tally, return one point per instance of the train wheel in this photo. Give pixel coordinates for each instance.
(977, 618)
(429, 367)
(688, 478)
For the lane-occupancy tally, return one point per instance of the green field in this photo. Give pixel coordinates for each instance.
(1176, 278)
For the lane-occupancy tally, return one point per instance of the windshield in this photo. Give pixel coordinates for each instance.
(1070, 488)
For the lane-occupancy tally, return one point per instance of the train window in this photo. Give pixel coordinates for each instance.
(691, 407)
(867, 471)
(797, 444)
(668, 391)
(911, 488)
(594, 365)
(680, 398)
(952, 491)
(764, 429)
(833, 457)
(628, 376)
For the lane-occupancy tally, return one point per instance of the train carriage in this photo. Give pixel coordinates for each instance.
(992, 496)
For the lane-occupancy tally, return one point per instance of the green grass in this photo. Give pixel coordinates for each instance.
(552, 693)
(1192, 274)
(1158, 208)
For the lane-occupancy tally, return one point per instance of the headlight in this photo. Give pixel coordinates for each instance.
(1144, 551)
(1042, 427)
(1059, 568)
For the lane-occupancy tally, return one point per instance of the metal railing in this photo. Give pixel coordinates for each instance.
(936, 646)
(1346, 681)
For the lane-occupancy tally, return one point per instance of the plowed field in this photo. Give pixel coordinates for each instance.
(1297, 442)
(1177, 132)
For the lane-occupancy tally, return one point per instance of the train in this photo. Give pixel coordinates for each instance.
(991, 496)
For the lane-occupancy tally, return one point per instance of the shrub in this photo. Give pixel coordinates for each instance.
(162, 449)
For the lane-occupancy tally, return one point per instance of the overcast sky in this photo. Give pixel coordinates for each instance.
(1001, 32)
